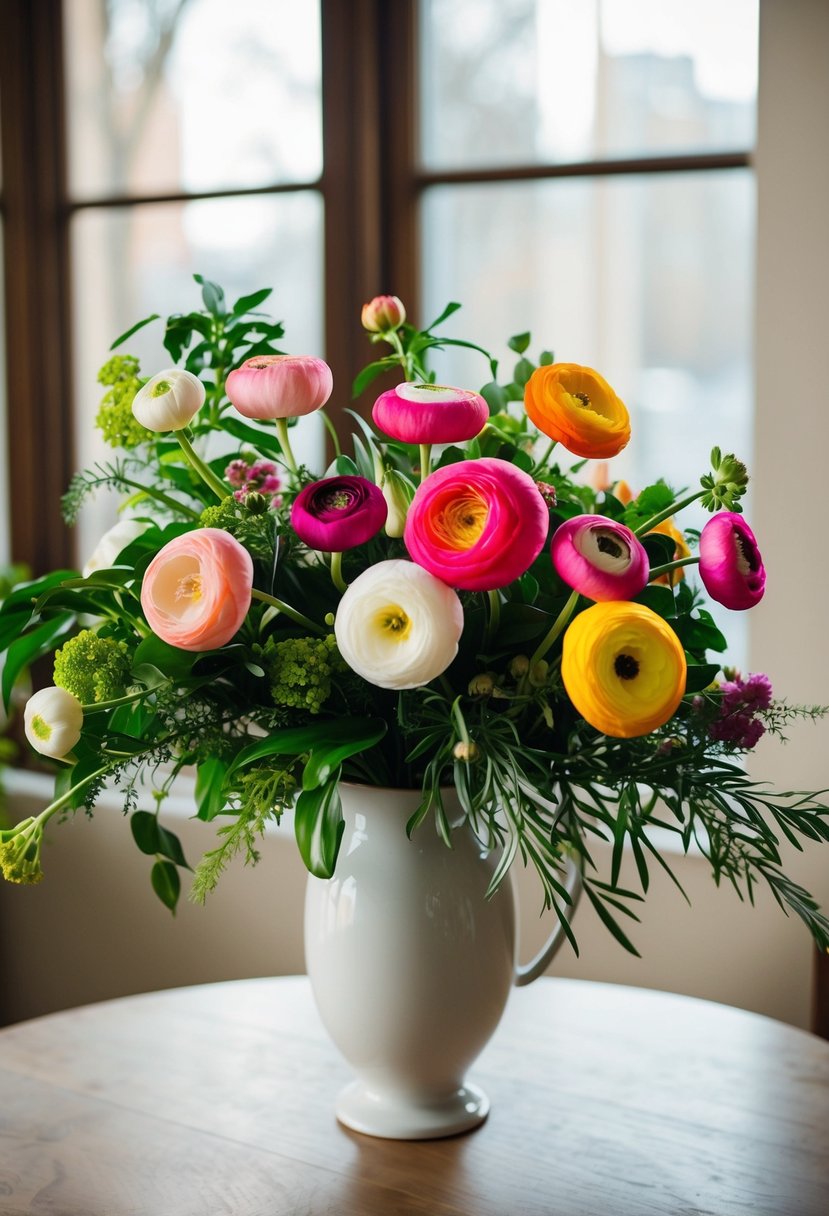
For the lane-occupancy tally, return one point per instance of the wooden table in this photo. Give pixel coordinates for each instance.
(606, 1101)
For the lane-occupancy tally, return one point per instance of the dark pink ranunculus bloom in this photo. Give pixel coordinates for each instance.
(730, 564)
(599, 558)
(430, 413)
(338, 513)
(279, 386)
(477, 525)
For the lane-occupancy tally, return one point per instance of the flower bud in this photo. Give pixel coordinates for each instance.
(169, 401)
(398, 492)
(256, 503)
(519, 666)
(383, 315)
(467, 752)
(538, 674)
(53, 719)
(481, 685)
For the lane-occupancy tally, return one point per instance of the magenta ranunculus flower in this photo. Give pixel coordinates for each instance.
(279, 386)
(477, 525)
(600, 558)
(730, 564)
(430, 413)
(197, 589)
(338, 513)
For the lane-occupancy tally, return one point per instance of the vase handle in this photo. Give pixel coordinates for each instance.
(525, 973)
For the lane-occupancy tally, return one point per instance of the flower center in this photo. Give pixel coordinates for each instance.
(626, 667)
(41, 728)
(393, 623)
(189, 588)
(747, 560)
(583, 398)
(335, 500)
(604, 548)
(461, 522)
(161, 389)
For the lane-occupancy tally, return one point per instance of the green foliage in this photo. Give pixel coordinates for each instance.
(300, 671)
(115, 419)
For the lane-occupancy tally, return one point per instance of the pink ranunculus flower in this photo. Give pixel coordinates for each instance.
(383, 314)
(197, 590)
(338, 513)
(730, 564)
(430, 413)
(599, 558)
(279, 386)
(477, 525)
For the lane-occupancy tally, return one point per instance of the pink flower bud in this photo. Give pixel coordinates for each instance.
(197, 589)
(730, 564)
(430, 413)
(338, 513)
(599, 558)
(279, 386)
(383, 314)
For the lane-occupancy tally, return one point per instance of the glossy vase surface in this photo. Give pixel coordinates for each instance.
(410, 965)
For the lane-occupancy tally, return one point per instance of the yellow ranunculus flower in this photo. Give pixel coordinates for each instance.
(623, 667)
(669, 528)
(577, 407)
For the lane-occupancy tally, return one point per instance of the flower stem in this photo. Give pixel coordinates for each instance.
(494, 618)
(657, 519)
(337, 571)
(668, 566)
(425, 460)
(541, 464)
(160, 496)
(130, 697)
(207, 475)
(555, 629)
(332, 431)
(288, 611)
(285, 444)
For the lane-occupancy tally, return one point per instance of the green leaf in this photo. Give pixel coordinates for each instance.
(370, 373)
(345, 467)
(523, 370)
(610, 923)
(153, 654)
(258, 438)
(700, 676)
(545, 358)
(327, 757)
(169, 846)
(519, 343)
(659, 599)
(296, 740)
(144, 827)
(32, 646)
(134, 329)
(447, 312)
(319, 827)
(495, 397)
(210, 779)
(166, 883)
(246, 303)
(213, 296)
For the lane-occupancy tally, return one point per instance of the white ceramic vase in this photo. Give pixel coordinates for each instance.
(411, 965)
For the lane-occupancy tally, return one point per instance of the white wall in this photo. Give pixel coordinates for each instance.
(93, 929)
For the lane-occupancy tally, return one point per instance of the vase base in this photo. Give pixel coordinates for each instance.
(393, 1117)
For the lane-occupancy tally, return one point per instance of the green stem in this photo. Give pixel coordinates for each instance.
(540, 464)
(667, 566)
(285, 444)
(556, 628)
(425, 460)
(161, 497)
(460, 721)
(494, 618)
(288, 611)
(657, 519)
(332, 431)
(128, 699)
(337, 571)
(207, 475)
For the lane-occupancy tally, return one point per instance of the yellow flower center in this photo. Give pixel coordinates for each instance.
(393, 623)
(461, 522)
(189, 588)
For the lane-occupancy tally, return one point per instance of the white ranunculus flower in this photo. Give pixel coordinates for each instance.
(52, 719)
(169, 401)
(111, 543)
(398, 626)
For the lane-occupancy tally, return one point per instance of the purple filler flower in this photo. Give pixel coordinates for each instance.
(599, 558)
(741, 701)
(338, 513)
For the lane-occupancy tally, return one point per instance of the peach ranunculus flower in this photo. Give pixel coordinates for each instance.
(279, 386)
(577, 407)
(197, 589)
(477, 525)
(624, 668)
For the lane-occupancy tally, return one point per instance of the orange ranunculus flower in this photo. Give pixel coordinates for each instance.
(623, 667)
(669, 528)
(577, 407)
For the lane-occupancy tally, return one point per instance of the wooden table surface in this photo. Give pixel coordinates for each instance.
(606, 1101)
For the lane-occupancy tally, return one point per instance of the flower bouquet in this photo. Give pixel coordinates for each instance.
(456, 602)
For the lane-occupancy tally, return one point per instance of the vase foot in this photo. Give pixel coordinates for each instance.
(396, 1117)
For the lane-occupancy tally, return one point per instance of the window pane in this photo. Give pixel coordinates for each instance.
(199, 96)
(5, 503)
(524, 81)
(133, 261)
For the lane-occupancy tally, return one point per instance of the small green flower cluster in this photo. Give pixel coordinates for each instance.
(115, 419)
(92, 668)
(301, 670)
(245, 521)
(20, 852)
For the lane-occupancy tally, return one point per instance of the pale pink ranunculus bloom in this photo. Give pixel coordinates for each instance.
(197, 590)
(279, 386)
